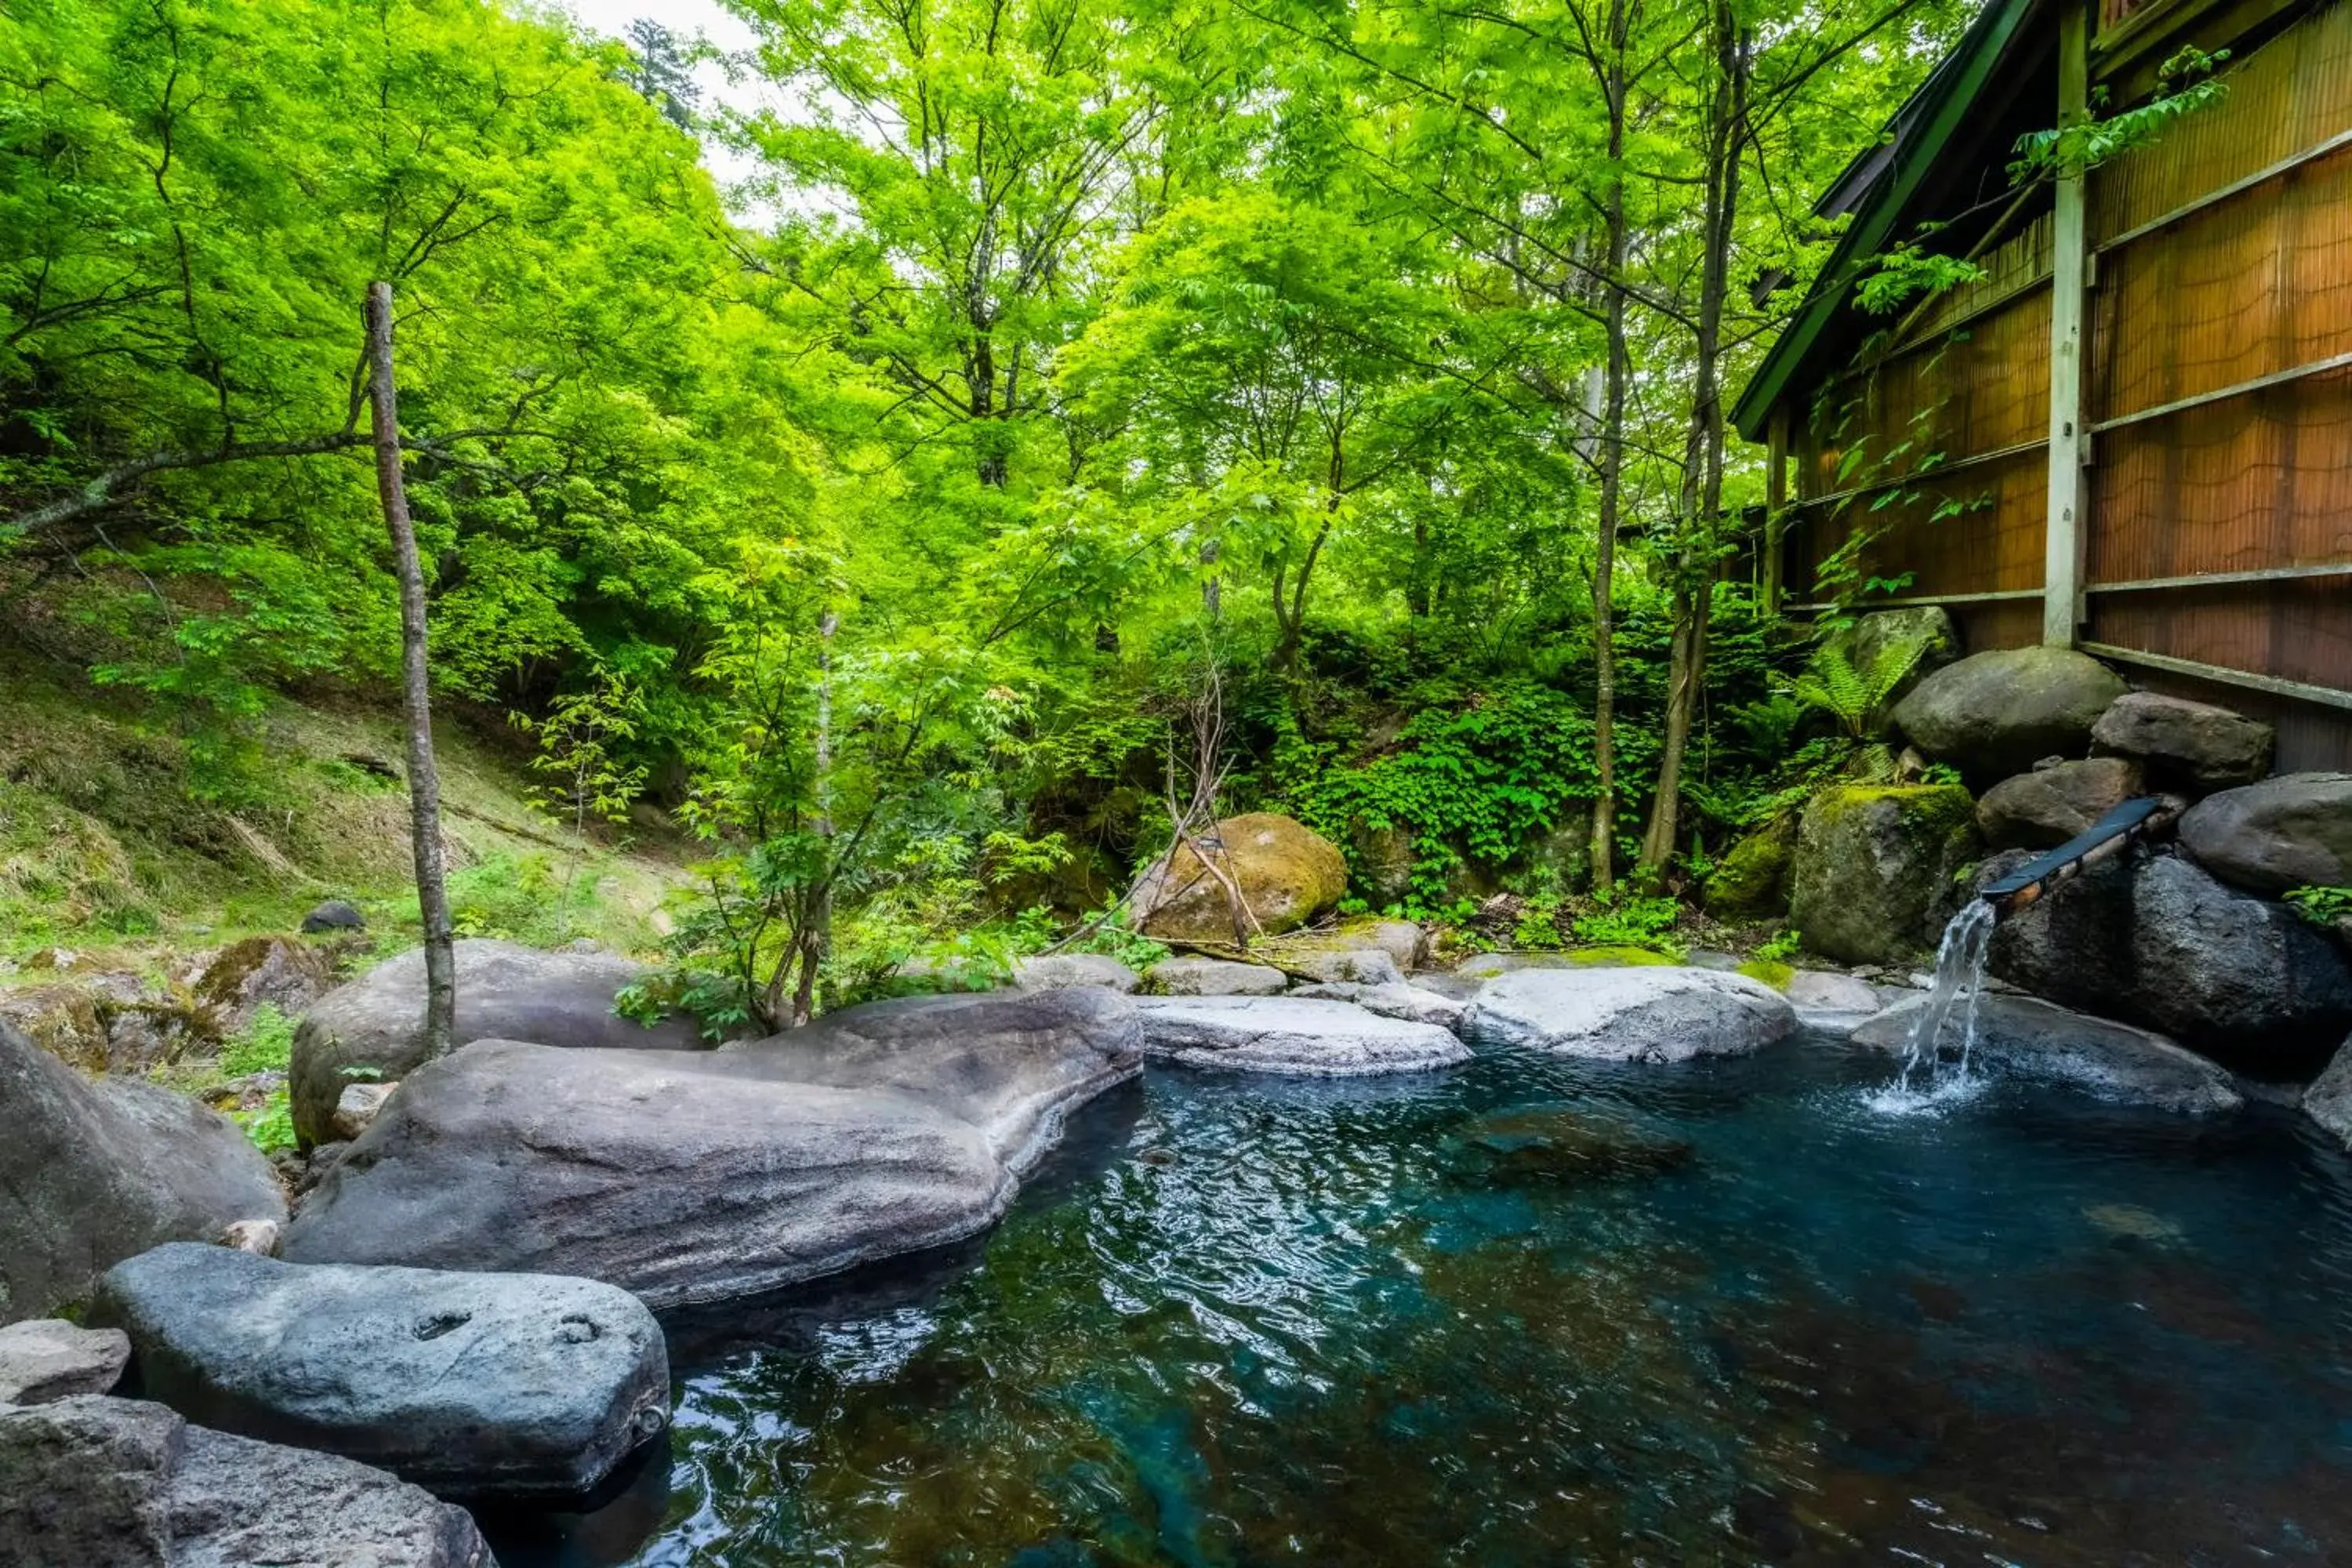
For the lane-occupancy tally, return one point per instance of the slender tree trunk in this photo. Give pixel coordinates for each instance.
(1615, 377)
(423, 776)
(1702, 494)
(816, 931)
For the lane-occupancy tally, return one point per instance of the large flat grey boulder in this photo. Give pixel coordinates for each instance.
(1300, 1037)
(1216, 977)
(2291, 831)
(697, 1176)
(1414, 1004)
(2160, 943)
(95, 1172)
(1873, 877)
(1994, 715)
(2184, 745)
(472, 1385)
(1012, 1065)
(93, 1482)
(1663, 1014)
(2042, 809)
(2028, 1037)
(374, 1026)
(44, 1359)
(1365, 965)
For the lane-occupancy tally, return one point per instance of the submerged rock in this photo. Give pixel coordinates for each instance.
(2185, 745)
(1994, 715)
(1872, 882)
(1216, 977)
(48, 1358)
(97, 1172)
(470, 1384)
(1299, 1036)
(1287, 875)
(1059, 970)
(2033, 1038)
(1556, 1143)
(2159, 943)
(2042, 809)
(93, 1482)
(697, 1177)
(2291, 831)
(374, 1028)
(1648, 1015)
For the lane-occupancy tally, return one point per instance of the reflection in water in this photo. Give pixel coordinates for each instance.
(1532, 1312)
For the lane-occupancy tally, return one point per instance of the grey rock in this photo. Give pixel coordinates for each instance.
(697, 1176)
(374, 1028)
(2032, 1038)
(2291, 831)
(1414, 1004)
(1360, 966)
(2187, 745)
(258, 1236)
(1872, 882)
(48, 1358)
(1058, 970)
(93, 1482)
(475, 1385)
(1216, 977)
(2329, 1100)
(97, 1172)
(1826, 991)
(333, 915)
(1713, 958)
(1382, 860)
(356, 1108)
(1993, 714)
(2042, 809)
(1289, 1035)
(1663, 1014)
(286, 975)
(1751, 880)
(1403, 941)
(2159, 943)
(67, 1019)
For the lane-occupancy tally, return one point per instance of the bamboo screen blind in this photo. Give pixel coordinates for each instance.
(2217, 387)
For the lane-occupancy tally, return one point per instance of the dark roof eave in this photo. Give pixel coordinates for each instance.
(1942, 103)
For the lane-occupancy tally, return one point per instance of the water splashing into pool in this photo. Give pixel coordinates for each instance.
(1960, 978)
(1538, 1311)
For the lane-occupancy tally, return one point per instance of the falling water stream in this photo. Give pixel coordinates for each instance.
(1959, 977)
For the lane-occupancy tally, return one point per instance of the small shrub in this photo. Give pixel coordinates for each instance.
(1539, 925)
(1781, 948)
(2321, 906)
(266, 1044)
(1641, 922)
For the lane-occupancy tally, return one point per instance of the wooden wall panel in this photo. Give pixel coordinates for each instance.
(2256, 482)
(2288, 95)
(2242, 289)
(2294, 630)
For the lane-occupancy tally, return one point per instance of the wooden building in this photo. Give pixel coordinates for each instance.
(2171, 489)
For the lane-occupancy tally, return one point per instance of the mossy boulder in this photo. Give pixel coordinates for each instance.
(1751, 881)
(1873, 879)
(1994, 715)
(1286, 873)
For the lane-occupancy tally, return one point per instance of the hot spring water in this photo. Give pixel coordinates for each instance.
(1536, 1310)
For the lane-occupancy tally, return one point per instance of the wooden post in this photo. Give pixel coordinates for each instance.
(2062, 565)
(423, 776)
(1776, 502)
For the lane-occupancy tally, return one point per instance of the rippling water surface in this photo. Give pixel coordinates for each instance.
(1533, 1312)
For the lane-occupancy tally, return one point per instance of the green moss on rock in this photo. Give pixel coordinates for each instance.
(1872, 879)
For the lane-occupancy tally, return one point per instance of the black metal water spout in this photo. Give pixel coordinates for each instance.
(2133, 819)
